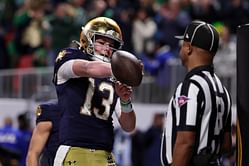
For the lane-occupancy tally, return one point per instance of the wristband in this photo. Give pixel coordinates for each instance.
(126, 106)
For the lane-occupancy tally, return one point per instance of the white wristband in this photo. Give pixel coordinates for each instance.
(126, 106)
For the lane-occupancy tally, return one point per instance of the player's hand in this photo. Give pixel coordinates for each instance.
(123, 91)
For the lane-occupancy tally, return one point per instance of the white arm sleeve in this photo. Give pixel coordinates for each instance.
(118, 109)
(65, 72)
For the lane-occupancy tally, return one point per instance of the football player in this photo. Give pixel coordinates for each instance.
(45, 138)
(88, 97)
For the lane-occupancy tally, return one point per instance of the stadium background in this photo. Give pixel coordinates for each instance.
(30, 41)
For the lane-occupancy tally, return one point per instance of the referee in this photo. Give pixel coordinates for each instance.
(198, 120)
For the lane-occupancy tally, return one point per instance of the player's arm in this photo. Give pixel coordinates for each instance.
(127, 121)
(127, 117)
(188, 105)
(38, 140)
(82, 68)
(183, 149)
(96, 69)
(227, 143)
(227, 138)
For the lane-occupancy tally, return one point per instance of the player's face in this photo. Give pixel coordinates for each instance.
(104, 46)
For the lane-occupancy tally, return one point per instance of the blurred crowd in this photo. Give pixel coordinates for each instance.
(32, 32)
(14, 140)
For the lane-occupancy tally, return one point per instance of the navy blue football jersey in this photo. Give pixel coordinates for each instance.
(87, 104)
(50, 111)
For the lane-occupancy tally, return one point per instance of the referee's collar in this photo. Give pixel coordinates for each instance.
(198, 69)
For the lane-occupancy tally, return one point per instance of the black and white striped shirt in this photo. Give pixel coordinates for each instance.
(200, 104)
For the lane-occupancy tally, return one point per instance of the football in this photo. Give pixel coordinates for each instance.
(127, 68)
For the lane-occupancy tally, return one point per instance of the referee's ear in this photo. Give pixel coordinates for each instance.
(189, 48)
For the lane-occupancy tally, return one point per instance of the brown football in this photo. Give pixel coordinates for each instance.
(127, 68)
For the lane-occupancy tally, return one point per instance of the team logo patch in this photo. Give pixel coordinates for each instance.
(38, 111)
(182, 100)
(61, 55)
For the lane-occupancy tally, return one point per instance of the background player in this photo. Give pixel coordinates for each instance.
(45, 138)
